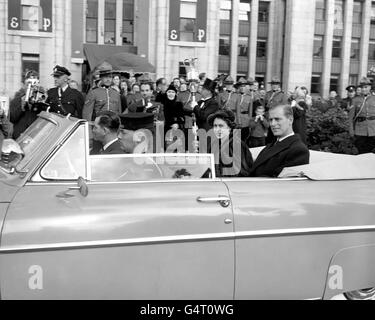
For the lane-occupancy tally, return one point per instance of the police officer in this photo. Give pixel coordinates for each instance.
(228, 97)
(63, 99)
(347, 102)
(274, 97)
(362, 119)
(104, 97)
(244, 107)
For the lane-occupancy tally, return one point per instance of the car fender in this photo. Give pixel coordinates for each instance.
(351, 269)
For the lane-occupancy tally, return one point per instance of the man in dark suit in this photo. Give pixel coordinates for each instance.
(207, 105)
(106, 129)
(287, 151)
(62, 98)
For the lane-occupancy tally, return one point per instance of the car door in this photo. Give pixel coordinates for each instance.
(287, 231)
(123, 240)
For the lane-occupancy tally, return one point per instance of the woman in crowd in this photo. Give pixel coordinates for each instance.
(116, 83)
(123, 93)
(232, 156)
(173, 112)
(300, 107)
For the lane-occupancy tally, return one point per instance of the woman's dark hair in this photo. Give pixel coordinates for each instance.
(225, 115)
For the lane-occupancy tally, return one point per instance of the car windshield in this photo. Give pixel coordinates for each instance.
(29, 142)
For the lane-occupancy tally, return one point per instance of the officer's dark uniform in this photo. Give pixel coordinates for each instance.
(65, 101)
(362, 120)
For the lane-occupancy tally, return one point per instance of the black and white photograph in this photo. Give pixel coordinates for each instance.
(196, 152)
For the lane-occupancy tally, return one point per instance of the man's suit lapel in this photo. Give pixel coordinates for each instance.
(272, 150)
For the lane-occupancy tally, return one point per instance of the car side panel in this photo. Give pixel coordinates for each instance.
(133, 241)
(288, 231)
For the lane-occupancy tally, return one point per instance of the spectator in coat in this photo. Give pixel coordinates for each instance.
(207, 105)
(258, 128)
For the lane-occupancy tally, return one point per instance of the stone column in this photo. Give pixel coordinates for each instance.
(119, 9)
(298, 54)
(327, 45)
(253, 38)
(346, 45)
(271, 47)
(101, 18)
(234, 39)
(364, 46)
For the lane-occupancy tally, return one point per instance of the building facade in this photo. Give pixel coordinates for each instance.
(322, 44)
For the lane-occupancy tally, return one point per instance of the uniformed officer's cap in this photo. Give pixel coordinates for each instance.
(250, 81)
(59, 71)
(145, 79)
(365, 82)
(104, 69)
(351, 88)
(241, 82)
(228, 80)
(275, 80)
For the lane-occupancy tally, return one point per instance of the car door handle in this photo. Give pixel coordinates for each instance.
(223, 200)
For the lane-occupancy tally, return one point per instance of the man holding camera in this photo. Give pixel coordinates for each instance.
(21, 112)
(63, 99)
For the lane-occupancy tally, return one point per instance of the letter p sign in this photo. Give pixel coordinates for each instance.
(201, 34)
(46, 24)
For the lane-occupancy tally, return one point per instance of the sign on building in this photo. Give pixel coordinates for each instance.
(31, 15)
(188, 20)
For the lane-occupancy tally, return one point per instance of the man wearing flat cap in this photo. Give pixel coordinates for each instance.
(104, 97)
(362, 119)
(207, 105)
(63, 99)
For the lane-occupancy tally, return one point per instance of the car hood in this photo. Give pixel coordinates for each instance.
(7, 192)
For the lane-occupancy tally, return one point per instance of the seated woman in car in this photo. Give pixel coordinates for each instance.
(232, 156)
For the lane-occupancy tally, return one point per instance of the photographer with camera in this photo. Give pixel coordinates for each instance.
(63, 99)
(22, 113)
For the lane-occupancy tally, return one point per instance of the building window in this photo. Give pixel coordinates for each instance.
(373, 12)
(110, 22)
(371, 50)
(244, 10)
(243, 46)
(128, 22)
(224, 46)
(320, 11)
(92, 21)
(318, 47)
(339, 15)
(181, 70)
(357, 11)
(225, 9)
(261, 48)
(30, 62)
(334, 83)
(260, 78)
(188, 16)
(263, 12)
(354, 51)
(30, 18)
(336, 47)
(315, 83)
(353, 79)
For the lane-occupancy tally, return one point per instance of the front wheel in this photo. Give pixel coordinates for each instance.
(365, 294)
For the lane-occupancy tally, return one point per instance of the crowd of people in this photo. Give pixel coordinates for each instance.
(275, 119)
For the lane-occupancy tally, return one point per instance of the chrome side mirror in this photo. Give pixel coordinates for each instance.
(81, 187)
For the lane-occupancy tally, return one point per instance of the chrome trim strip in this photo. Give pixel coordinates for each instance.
(183, 238)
